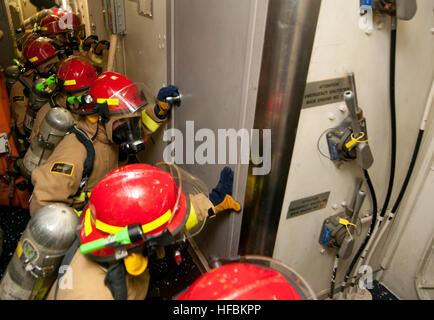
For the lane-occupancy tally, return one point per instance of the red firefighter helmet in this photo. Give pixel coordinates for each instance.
(50, 25)
(251, 278)
(59, 12)
(76, 74)
(133, 194)
(119, 93)
(39, 51)
(26, 45)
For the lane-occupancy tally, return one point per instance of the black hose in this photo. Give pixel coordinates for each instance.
(408, 177)
(335, 270)
(392, 122)
(371, 228)
(392, 77)
(409, 172)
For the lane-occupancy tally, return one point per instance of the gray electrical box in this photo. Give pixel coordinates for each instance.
(114, 14)
(402, 9)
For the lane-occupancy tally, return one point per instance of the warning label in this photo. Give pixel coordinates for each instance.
(306, 205)
(325, 92)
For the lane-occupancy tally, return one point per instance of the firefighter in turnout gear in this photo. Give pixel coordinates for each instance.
(41, 60)
(133, 213)
(69, 35)
(19, 100)
(67, 31)
(43, 57)
(73, 81)
(111, 117)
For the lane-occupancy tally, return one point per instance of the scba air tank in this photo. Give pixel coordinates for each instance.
(35, 263)
(57, 123)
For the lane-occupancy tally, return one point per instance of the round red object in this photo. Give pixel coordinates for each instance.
(50, 25)
(133, 194)
(76, 74)
(39, 50)
(241, 281)
(119, 92)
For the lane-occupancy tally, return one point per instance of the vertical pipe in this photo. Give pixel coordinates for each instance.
(290, 33)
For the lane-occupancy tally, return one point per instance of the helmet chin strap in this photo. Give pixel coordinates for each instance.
(97, 128)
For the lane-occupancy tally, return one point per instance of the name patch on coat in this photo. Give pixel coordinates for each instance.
(18, 98)
(62, 168)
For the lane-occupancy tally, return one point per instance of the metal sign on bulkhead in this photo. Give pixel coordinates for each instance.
(325, 92)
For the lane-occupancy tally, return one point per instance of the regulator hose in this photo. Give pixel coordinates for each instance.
(392, 122)
(392, 78)
(409, 172)
(371, 228)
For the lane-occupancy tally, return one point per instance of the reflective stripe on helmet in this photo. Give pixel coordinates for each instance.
(70, 82)
(192, 218)
(34, 59)
(87, 223)
(110, 102)
(149, 122)
(114, 229)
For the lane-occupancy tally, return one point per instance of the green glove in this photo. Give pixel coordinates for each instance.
(48, 82)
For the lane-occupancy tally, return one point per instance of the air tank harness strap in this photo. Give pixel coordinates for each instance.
(66, 262)
(90, 158)
(116, 281)
(115, 276)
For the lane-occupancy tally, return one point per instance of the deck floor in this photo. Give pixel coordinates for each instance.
(168, 279)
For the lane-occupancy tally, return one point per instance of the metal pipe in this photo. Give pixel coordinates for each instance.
(350, 100)
(289, 37)
(353, 88)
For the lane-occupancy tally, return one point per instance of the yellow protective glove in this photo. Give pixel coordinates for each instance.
(221, 195)
(227, 204)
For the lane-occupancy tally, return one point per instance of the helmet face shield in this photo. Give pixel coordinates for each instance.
(196, 192)
(114, 94)
(175, 171)
(128, 134)
(128, 99)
